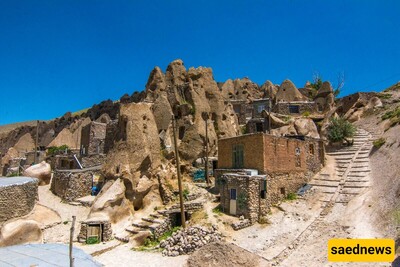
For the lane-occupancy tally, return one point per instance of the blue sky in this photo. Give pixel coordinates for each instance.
(58, 56)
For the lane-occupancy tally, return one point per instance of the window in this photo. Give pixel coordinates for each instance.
(237, 156)
(233, 194)
(311, 149)
(260, 108)
(294, 109)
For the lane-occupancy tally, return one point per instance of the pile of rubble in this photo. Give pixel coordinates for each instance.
(188, 240)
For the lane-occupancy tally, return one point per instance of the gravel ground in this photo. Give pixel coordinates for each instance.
(124, 256)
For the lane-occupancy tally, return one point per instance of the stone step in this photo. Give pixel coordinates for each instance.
(328, 180)
(141, 224)
(359, 170)
(351, 191)
(360, 165)
(326, 184)
(133, 229)
(152, 220)
(356, 186)
(156, 216)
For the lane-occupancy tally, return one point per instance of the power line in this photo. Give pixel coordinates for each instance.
(381, 81)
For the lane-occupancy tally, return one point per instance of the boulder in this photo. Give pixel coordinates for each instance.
(306, 127)
(284, 130)
(42, 171)
(20, 232)
(112, 203)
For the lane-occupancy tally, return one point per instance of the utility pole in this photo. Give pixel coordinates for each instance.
(178, 171)
(269, 115)
(36, 142)
(206, 147)
(71, 236)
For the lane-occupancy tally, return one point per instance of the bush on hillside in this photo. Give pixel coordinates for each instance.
(340, 130)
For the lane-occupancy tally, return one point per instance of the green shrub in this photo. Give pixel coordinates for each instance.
(217, 210)
(185, 193)
(56, 149)
(384, 95)
(340, 130)
(379, 142)
(291, 196)
(92, 240)
(306, 114)
(243, 129)
(392, 114)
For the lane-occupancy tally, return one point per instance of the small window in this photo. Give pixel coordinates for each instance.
(233, 194)
(311, 149)
(263, 194)
(294, 109)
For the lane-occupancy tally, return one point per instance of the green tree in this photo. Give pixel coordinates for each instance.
(340, 130)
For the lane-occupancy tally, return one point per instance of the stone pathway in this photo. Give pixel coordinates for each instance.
(350, 179)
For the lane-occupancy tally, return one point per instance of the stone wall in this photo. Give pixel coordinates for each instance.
(18, 196)
(92, 160)
(73, 184)
(283, 107)
(111, 135)
(249, 202)
(93, 138)
(106, 230)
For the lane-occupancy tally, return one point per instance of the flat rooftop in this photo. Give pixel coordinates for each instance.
(44, 255)
(18, 180)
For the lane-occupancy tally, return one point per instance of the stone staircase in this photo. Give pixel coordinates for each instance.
(352, 171)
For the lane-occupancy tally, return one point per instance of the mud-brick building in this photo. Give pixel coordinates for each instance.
(258, 170)
(295, 108)
(93, 138)
(242, 109)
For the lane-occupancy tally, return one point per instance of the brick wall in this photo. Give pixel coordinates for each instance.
(253, 155)
(269, 154)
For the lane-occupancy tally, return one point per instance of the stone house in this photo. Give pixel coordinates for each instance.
(258, 170)
(295, 108)
(93, 138)
(95, 230)
(72, 184)
(242, 109)
(259, 105)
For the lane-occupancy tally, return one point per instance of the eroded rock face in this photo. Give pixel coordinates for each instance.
(269, 90)
(325, 97)
(190, 94)
(71, 135)
(288, 92)
(138, 150)
(42, 171)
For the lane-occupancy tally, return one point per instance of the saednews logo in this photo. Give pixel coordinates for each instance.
(361, 250)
